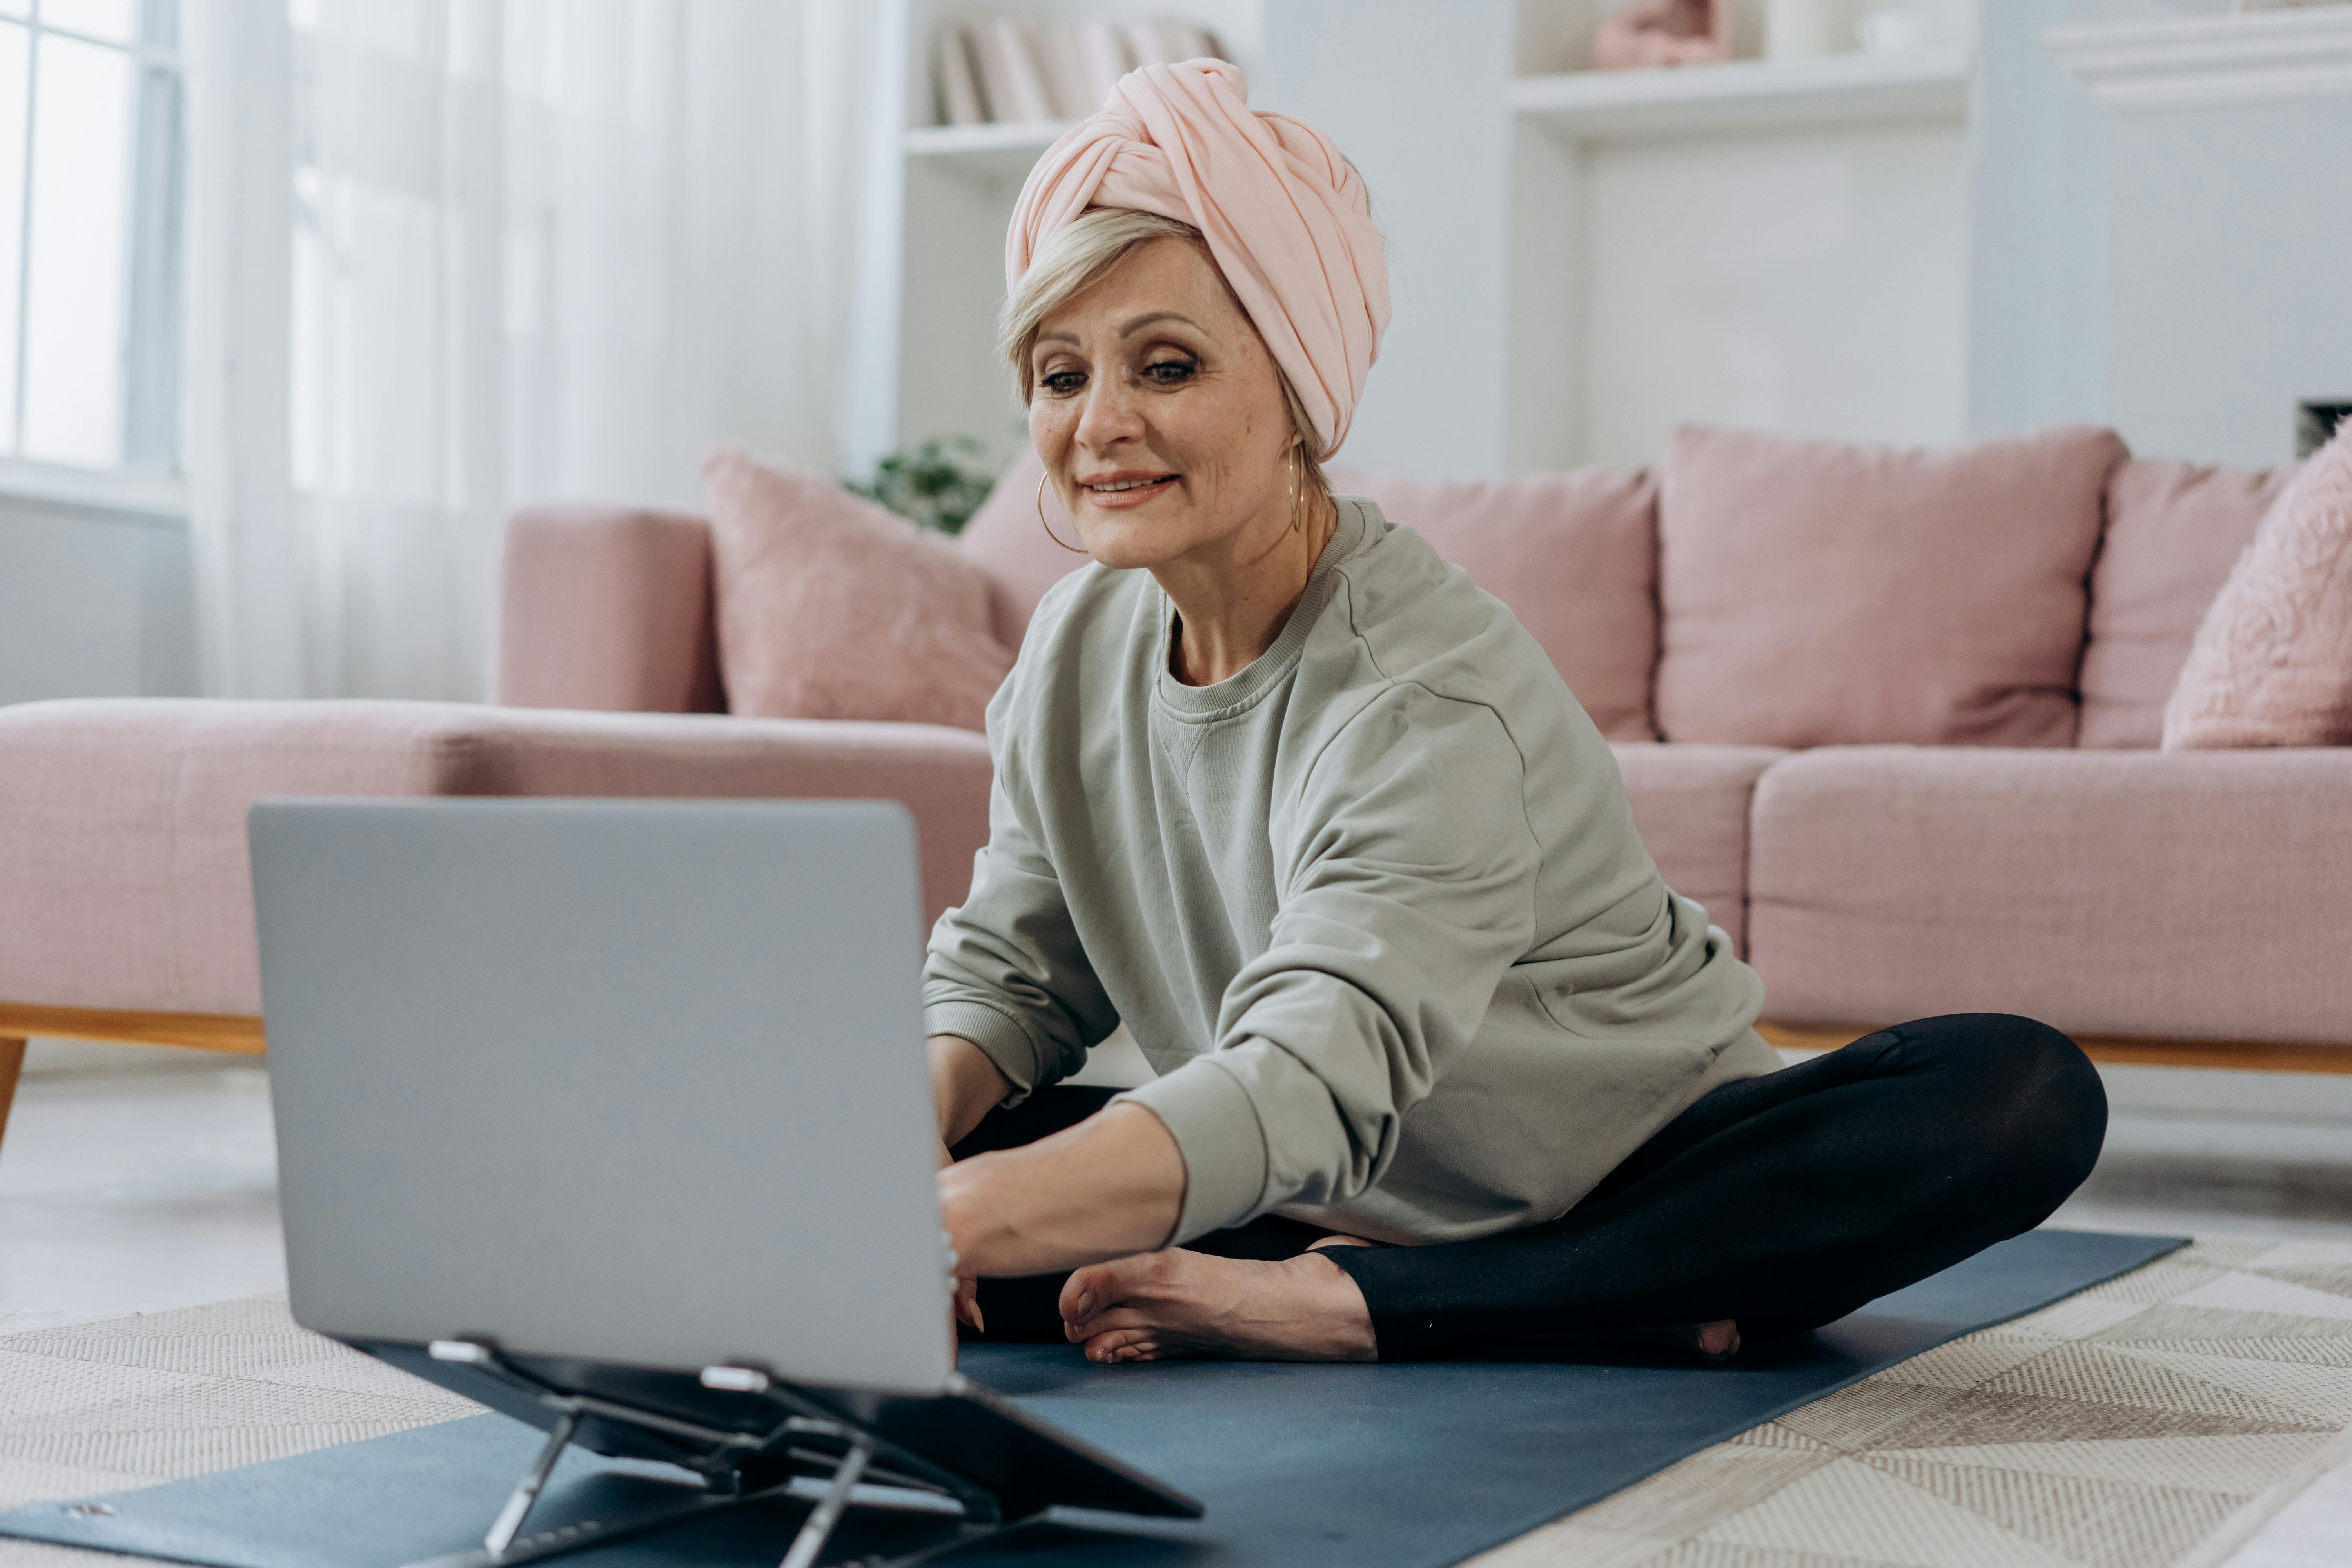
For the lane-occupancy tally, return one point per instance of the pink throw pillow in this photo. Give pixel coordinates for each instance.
(1575, 557)
(830, 608)
(2272, 665)
(1005, 540)
(2172, 531)
(1824, 593)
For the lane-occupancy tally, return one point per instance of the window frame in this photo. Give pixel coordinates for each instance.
(149, 482)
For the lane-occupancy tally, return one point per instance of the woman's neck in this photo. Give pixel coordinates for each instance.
(1230, 603)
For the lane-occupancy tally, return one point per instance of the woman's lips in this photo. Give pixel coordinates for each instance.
(1133, 495)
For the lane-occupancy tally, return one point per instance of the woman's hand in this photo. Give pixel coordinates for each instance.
(965, 1087)
(1109, 1188)
(963, 1302)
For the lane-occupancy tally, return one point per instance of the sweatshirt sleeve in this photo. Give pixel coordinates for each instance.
(1005, 969)
(1409, 891)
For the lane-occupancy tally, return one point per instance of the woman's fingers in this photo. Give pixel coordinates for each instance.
(967, 1304)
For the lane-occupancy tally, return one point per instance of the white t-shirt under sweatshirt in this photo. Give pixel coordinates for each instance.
(1373, 908)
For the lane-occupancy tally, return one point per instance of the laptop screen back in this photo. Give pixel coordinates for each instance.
(630, 1081)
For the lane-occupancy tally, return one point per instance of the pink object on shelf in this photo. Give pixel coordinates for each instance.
(2184, 896)
(1825, 593)
(2272, 665)
(830, 608)
(1664, 32)
(1575, 557)
(2172, 531)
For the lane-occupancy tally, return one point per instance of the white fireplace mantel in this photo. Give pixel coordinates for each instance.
(2202, 62)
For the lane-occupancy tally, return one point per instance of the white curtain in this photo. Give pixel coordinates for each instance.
(518, 250)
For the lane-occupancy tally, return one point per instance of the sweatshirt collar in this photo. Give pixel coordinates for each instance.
(1359, 522)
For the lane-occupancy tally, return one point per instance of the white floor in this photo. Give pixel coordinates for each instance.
(135, 1180)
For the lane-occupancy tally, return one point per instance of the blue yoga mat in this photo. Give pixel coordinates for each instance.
(1412, 1466)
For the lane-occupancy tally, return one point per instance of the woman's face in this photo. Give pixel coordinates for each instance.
(1158, 414)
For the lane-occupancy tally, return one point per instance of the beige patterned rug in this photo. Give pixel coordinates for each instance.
(2155, 1420)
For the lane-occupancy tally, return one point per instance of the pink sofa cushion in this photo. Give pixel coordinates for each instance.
(1003, 539)
(2111, 892)
(606, 607)
(1818, 593)
(1575, 557)
(830, 608)
(2173, 528)
(1691, 807)
(122, 823)
(2272, 665)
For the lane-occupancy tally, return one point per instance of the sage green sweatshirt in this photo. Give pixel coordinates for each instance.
(1374, 908)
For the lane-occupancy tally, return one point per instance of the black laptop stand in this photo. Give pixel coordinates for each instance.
(968, 1456)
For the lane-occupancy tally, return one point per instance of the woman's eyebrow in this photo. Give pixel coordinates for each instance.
(1058, 337)
(1142, 322)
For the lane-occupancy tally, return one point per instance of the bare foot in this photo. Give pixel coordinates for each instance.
(1156, 1305)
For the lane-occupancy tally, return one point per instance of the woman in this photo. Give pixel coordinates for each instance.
(1442, 1062)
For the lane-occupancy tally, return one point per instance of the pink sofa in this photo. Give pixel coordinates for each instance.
(2166, 906)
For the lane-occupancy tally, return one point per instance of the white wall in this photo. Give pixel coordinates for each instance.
(1559, 302)
(1814, 282)
(2038, 270)
(93, 604)
(2176, 273)
(2231, 298)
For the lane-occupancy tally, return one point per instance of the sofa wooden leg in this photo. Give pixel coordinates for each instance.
(11, 1062)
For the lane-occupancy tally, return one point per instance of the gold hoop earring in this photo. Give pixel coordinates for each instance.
(1296, 470)
(1073, 549)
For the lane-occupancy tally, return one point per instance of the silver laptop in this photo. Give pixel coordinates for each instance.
(614, 1116)
(637, 1081)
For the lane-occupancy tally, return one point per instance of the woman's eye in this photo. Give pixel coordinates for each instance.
(1168, 372)
(1062, 383)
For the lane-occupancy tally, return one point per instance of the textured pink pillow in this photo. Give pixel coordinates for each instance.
(830, 608)
(1821, 592)
(2272, 665)
(2173, 528)
(1575, 557)
(1003, 539)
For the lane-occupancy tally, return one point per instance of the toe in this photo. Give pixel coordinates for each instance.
(1120, 1345)
(1099, 1285)
(1717, 1341)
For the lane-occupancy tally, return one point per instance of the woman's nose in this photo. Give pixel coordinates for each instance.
(1108, 417)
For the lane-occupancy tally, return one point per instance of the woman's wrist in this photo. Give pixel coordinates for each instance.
(966, 1085)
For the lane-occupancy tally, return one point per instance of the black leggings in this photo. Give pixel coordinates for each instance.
(1784, 1202)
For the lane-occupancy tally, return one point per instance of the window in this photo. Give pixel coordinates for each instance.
(89, 199)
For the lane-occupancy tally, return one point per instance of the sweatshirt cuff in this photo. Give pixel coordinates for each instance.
(999, 1036)
(1216, 1130)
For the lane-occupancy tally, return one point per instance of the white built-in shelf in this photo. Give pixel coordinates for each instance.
(2203, 62)
(985, 151)
(1739, 95)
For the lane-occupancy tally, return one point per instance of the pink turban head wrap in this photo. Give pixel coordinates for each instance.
(1286, 217)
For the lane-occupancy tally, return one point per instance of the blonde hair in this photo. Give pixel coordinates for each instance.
(1076, 256)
